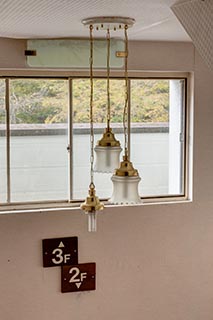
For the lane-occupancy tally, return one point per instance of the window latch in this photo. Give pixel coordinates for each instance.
(181, 137)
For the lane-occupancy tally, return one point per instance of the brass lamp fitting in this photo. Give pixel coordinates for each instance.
(108, 139)
(92, 202)
(126, 169)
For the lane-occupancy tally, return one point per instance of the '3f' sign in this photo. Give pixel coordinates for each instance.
(60, 256)
(60, 251)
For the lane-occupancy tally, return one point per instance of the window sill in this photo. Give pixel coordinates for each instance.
(64, 205)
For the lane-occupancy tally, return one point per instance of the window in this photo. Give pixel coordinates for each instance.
(158, 125)
(45, 142)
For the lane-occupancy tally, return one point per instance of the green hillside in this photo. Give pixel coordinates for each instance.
(46, 101)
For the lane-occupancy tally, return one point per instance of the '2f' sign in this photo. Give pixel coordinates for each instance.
(60, 251)
(79, 277)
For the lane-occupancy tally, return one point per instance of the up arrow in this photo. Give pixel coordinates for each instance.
(78, 284)
(61, 245)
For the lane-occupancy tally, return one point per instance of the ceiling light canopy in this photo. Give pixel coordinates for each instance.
(109, 23)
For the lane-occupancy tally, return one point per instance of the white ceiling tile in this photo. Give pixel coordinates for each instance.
(196, 17)
(62, 18)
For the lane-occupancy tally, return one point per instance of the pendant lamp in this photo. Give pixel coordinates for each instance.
(108, 149)
(92, 203)
(126, 178)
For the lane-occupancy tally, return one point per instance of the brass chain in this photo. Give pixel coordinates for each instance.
(91, 111)
(108, 80)
(125, 113)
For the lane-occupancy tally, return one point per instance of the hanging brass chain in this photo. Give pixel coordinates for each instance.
(125, 113)
(91, 111)
(108, 80)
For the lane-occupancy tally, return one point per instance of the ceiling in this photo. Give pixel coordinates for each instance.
(62, 18)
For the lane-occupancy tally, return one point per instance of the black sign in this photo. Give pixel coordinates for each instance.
(60, 251)
(79, 277)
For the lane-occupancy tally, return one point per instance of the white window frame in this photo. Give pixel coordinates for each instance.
(67, 75)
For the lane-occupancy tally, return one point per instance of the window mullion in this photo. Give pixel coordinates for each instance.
(129, 117)
(70, 136)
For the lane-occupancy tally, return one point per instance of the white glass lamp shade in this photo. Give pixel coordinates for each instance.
(107, 159)
(125, 190)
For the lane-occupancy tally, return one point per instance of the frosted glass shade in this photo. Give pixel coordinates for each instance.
(107, 159)
(125, 190)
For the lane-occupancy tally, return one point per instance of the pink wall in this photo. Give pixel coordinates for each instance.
(154, 262)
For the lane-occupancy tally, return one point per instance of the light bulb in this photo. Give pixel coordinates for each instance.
(92, 221)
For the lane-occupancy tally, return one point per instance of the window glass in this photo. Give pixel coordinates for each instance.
(38, 126)
(157, 124)
(3, 170)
